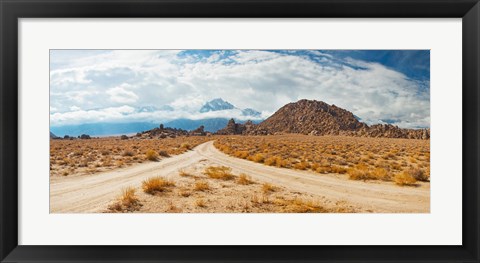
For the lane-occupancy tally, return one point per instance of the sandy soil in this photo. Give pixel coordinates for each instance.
(94, 193)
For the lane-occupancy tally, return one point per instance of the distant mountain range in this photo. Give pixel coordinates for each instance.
(308, 117)
(219, 104)
(210, 124)
(102, 129)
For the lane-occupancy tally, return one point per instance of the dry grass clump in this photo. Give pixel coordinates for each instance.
(186, 145)
(128, 153)
(380, 173)
(151, 155)
(301, 165)
(200, 203)
(156, 184)
(263, 199)
(244, 179)
(258, 158)
(183, 173)
(276, 161)
(201, 186)
(219, 172)
(241, 154)
(404, 178)
(338, 169)
(163, 153)
(419, 174)
(268, 188)
(299, 205)
(127, 202)
(184, 193)
(359, 172)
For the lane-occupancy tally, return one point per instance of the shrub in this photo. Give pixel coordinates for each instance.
(404, 178)
(244, 179)
(201, 186)
(128, 153)
(186, 146)
(200, 203)
(183, 173)
(338, 169)
(258, 158)
(267, 188)
(127, 201)
(324, 169)
(418, 174)
(381, 174)
(184, 193)
(241, 154)
(151, 155)
(359, 172)
(156, 184)
(298, 205)
(276, 161)
(219, 172)
(128, 197)
(163, 153)
(301, 165)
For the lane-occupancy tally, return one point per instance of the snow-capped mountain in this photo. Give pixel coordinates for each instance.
(251, 112)
(153, 108)
(220, 104)
(216, 105)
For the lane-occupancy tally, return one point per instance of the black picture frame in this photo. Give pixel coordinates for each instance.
(12, 10)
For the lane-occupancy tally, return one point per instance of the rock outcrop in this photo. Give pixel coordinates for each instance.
(311, 117)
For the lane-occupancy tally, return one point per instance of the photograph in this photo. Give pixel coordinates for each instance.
(239, 131)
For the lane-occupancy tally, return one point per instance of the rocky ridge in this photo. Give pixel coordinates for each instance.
(311, 117)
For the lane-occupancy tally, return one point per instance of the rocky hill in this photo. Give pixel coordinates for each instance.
(311, 117)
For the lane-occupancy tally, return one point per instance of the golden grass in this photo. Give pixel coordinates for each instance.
(301, 165)
(200, 203)
(201, 186)
(299, 205)
(419, 174)
(258, 158)
(186, 145)
(268, 188)
(244, 179)
(241, 154)
(358, 157)
(183, 173)
(127, 201)
(107, 153)
(404, 178)
(156, 184)
(381, 174)
(359, 172)
(219, 172)
(151, 155)
(276, 161)
(184, 193)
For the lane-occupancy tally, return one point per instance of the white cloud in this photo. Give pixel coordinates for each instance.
(75, 108)
(121, 95)
(261, 80)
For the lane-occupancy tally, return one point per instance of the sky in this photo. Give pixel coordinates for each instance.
(378, 86)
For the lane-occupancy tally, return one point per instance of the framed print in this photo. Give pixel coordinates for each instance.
(239, 131)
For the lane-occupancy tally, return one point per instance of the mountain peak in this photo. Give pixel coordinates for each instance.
(311, 116)
(216, 105)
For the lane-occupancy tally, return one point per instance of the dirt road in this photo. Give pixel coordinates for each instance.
(86, 194)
